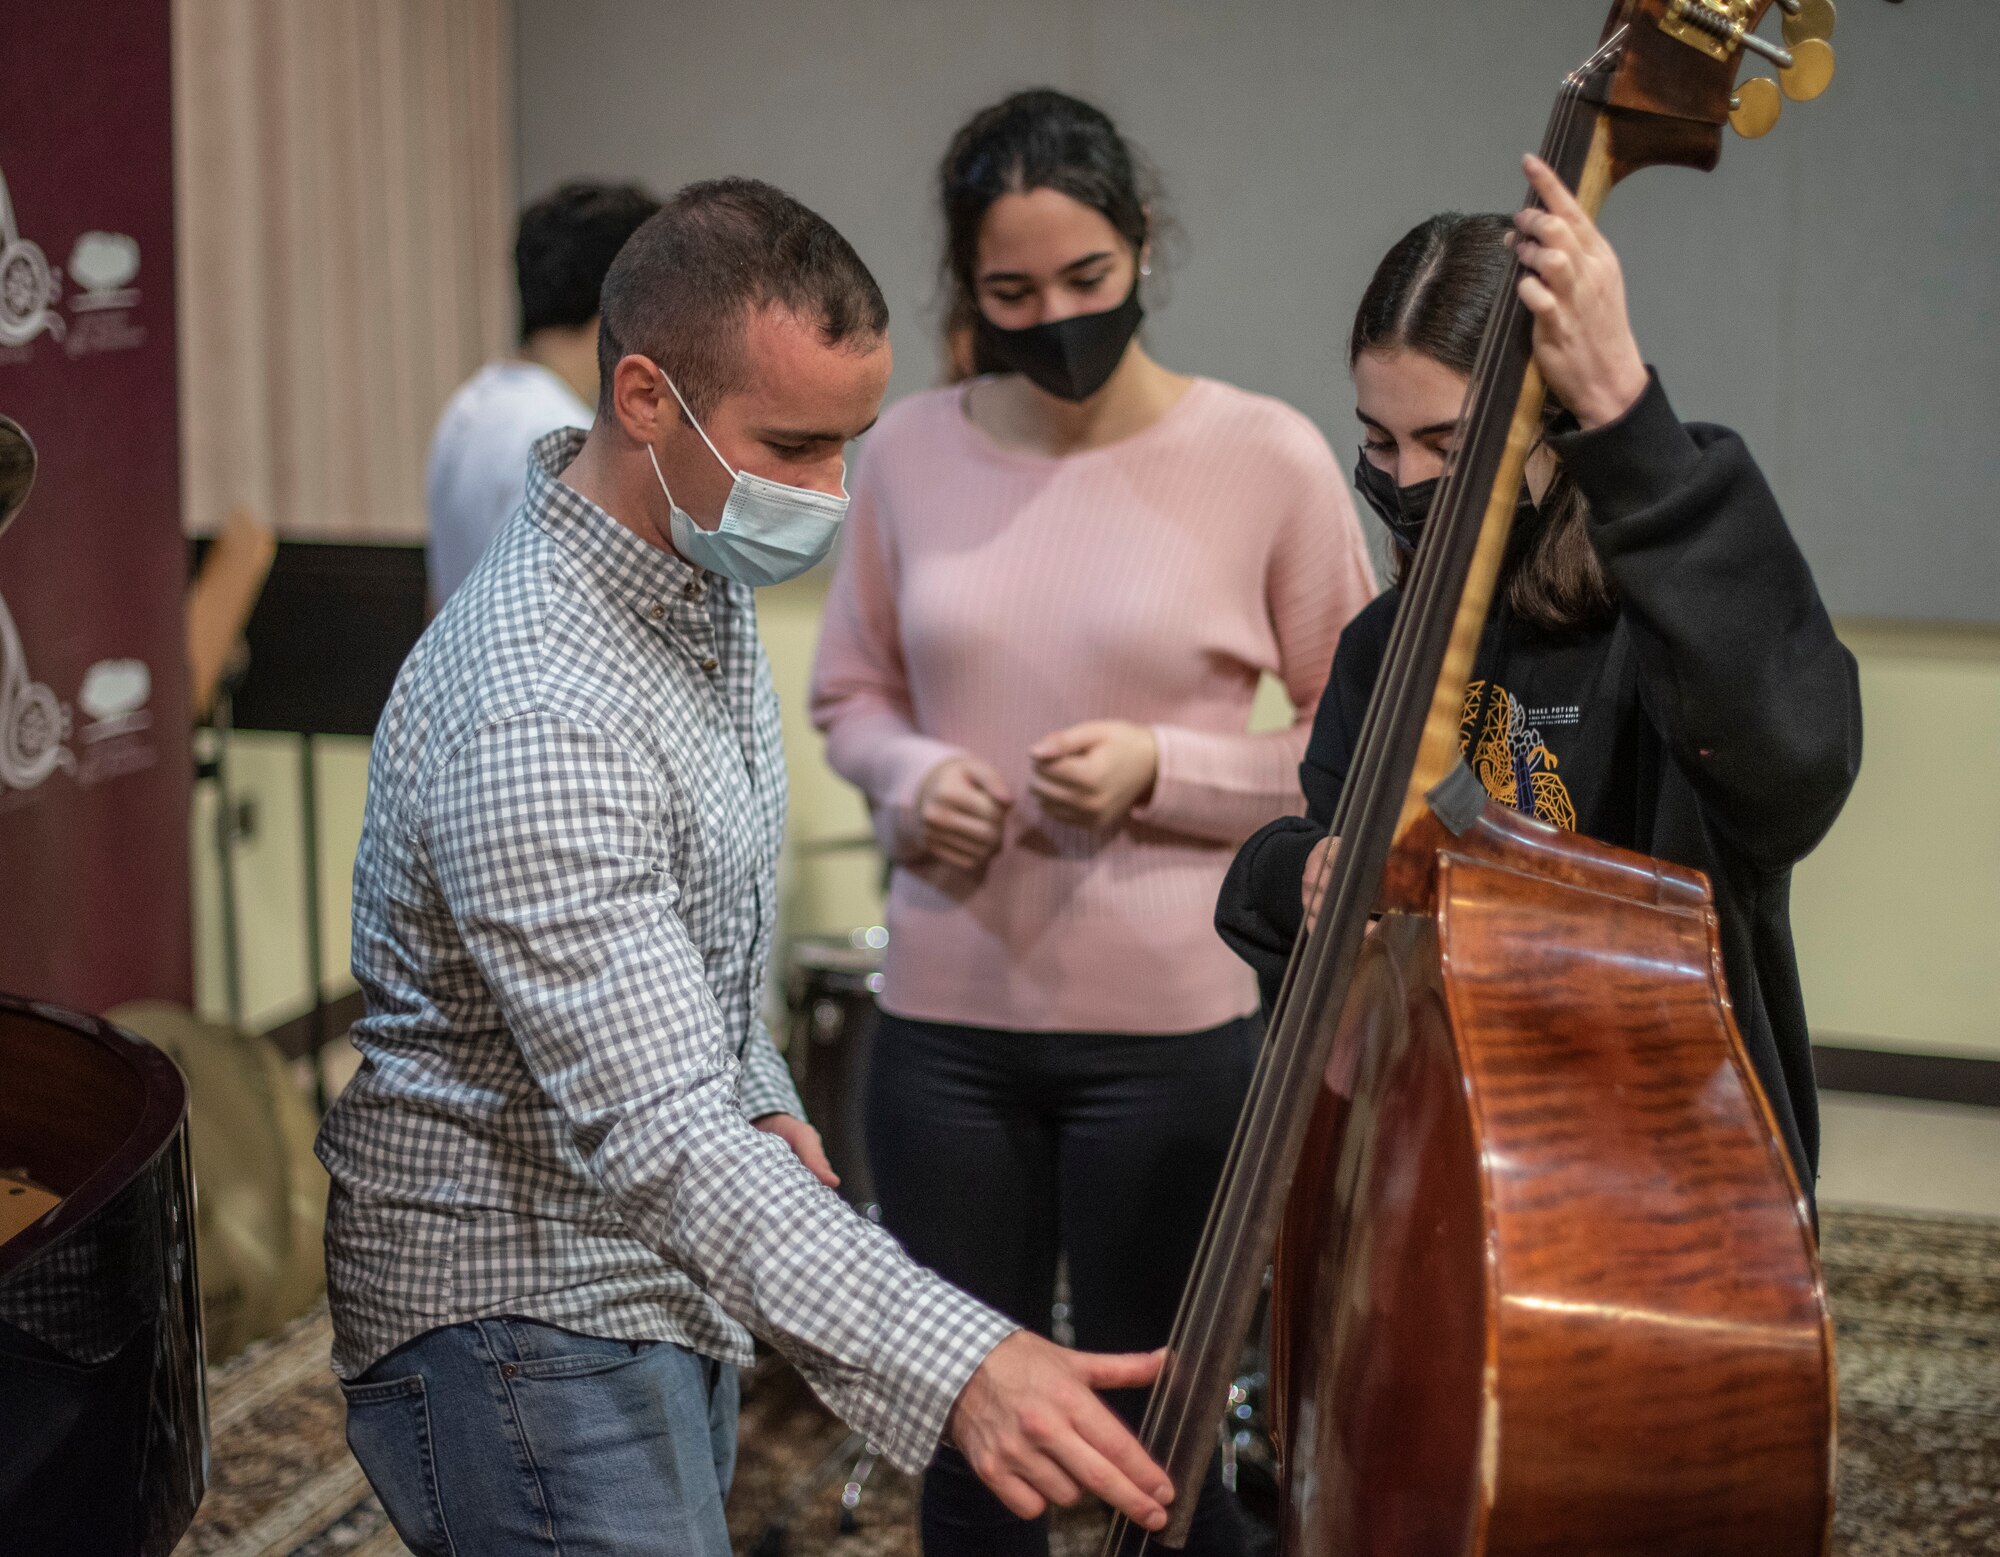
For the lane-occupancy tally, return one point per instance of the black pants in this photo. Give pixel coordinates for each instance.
(995, 1153)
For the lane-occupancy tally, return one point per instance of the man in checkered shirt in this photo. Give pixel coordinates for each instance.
(571, 1176)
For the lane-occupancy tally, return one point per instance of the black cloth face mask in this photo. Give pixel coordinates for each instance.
(1404, 510)
(1071, 358)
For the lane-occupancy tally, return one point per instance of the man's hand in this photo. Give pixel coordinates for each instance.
(804, 1142)
(1091, 774)
(1575, 290)
(1312, 886)
(963, 805)
(1032, 1429)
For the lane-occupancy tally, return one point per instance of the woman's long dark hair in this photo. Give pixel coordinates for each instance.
(1431, 294)
(1038, 139)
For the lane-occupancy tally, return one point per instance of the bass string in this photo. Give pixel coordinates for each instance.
(1492, 404)
(1492, 412)
(1394, 705)
(1431, 584)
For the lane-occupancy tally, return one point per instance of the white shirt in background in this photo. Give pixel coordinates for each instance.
(478, 471)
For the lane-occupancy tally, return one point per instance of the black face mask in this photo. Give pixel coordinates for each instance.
(1071, 358)
(1404, 509)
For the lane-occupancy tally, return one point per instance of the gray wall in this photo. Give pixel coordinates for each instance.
(1830, 290)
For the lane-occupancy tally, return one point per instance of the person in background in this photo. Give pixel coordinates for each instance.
(478, 470)
(1062, 582)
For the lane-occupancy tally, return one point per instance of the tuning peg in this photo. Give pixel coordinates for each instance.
(1806, 19)
(1810, 72)
(1782, 58)
(1754, 110)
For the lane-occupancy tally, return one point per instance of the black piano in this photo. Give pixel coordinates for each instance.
(103, 1420)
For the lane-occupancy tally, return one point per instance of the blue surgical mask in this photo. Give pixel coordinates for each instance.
(769, 531)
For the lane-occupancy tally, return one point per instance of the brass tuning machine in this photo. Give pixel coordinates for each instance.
(1805, 68)
(1719, 28)
(1754, 110)
(1807, 19)
(1811, 70)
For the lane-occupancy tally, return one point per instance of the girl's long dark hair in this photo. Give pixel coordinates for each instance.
(1432, 294)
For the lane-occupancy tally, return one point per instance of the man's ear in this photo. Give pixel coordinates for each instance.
(639, 399)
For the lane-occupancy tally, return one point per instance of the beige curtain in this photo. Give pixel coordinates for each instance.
(345, 193)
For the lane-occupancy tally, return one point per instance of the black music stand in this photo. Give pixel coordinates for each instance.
(330, 631)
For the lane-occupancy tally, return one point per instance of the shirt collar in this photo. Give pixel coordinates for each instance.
(628, 569)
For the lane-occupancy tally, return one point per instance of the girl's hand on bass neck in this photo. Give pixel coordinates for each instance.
(1576, 291)
(1312, 886)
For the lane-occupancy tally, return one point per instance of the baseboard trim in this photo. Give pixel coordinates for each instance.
(1929, 1078)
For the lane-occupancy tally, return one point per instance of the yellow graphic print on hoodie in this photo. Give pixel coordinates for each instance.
(1509, 757)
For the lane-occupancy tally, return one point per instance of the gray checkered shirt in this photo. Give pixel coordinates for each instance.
(563, 911)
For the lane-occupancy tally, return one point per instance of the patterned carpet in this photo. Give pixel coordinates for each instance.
(1916, 1310)
(1916, 1305)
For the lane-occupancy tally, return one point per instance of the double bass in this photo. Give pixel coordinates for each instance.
(1545, 1279)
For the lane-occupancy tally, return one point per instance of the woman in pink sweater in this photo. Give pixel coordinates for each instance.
(1060, 584)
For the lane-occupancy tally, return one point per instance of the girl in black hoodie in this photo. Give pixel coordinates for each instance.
(1658, 671)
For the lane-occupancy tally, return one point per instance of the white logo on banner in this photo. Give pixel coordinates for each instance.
(104, 263)
(28, 288)
(33, 725)
(101, 268)
(114, 694)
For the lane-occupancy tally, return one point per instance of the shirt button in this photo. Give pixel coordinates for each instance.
(657, 612)
(710, 663)
(692, 589)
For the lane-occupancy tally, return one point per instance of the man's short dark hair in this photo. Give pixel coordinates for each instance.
(566, 242)
(682, 290)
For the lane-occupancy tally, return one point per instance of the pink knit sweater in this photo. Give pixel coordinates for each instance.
(986, 597)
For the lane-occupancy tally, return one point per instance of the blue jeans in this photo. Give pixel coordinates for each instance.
(505, 1437)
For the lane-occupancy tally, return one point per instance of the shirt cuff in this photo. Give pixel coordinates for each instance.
(940, 1338)
(1163, 802)
(1625, 465)
(1217, 787)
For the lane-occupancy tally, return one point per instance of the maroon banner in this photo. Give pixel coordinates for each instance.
(94, 759)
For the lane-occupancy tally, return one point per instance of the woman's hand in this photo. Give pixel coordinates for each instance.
(1575, 290)
(962, 804)
(1312, 886)
(1091, 774)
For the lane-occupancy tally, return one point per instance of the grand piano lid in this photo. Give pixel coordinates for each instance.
(160, 1112)
(103, 1414)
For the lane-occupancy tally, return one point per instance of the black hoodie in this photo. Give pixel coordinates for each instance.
(1716, 724)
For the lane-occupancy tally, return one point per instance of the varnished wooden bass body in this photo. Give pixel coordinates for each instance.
(1546, 1283)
